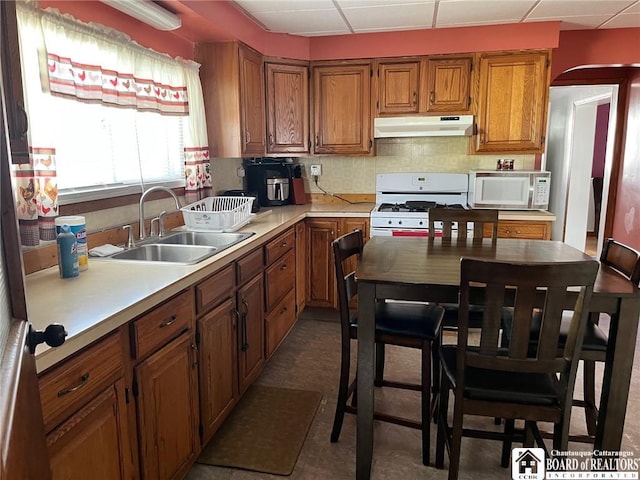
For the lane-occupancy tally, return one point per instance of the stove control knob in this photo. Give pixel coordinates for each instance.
(400, 222)
(421, 222)
(389, 222)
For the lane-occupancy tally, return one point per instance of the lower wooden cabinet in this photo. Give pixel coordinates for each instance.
(522, 229)
(94, 442)
(85, 414)
(167, 402)
(251, 356)
(301, 267)
(218, 366)
(321, 281)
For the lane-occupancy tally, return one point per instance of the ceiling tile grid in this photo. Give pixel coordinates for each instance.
(336, 17)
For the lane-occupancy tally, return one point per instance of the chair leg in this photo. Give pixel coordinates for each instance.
(435, 378)
(380, 352)
(343, 390)
(589, 387)
(456, 439)
(509, 427)
(443, 407)
(426, 401)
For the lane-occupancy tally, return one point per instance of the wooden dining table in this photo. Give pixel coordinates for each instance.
(424, 269)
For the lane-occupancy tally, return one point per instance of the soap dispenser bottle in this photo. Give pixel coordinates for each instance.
(67, 253)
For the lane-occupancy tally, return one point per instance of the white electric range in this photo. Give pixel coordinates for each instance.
(403, 201)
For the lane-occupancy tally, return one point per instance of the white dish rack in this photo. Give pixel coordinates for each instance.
(218, 214)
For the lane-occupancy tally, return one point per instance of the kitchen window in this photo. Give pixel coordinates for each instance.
(107, 117)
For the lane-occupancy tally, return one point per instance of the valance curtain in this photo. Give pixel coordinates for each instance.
(92, 63)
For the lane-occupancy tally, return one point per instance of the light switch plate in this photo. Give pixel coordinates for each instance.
(316, 170)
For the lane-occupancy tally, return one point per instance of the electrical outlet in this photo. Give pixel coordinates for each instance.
(316, 170)
(240, 172)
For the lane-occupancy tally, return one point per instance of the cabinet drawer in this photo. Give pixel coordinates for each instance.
(530, 230)
(280, 278)
(280, 321)
(215, 289)
(160, 325)
(68, 386)
(275, 248)
(249, 266)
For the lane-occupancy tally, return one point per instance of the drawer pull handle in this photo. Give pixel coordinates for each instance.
(283, 267)
(283, 245)
(83, 381)
(166, 323)
(283, 311)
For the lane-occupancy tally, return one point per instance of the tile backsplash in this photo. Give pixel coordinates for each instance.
(358, 174)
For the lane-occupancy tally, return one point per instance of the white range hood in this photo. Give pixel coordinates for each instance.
(424, 126)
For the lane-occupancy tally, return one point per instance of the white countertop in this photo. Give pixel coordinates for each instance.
(110, 294)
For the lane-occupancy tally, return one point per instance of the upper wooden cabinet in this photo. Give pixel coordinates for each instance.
(287, 108)
(232, 77)
(422, 85)
(398, 87)
(341, 108)
(513, 97)
(448, 84)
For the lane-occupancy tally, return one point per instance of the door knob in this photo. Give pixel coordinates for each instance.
(54, 336)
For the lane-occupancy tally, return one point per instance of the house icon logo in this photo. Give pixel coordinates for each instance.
(527, 464)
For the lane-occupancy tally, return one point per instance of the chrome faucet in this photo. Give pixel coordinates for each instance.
(141, 207)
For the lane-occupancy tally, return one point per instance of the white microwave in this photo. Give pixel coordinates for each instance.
(509, 189)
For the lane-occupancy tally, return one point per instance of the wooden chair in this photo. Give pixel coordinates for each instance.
(410, 325)
(513, 382)
(626, 261)
(479, 218)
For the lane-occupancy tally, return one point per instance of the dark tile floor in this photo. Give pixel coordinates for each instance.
(309, 359)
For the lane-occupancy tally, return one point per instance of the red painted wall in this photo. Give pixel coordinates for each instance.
(626, 223)
(618, 47)
(94, 11)
(600, 140)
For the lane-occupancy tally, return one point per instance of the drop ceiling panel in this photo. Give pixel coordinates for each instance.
(317, 22)
(257, 6)
(331, 17)
(380, 18)
(624, 20)
(468, 12)
(568, 8)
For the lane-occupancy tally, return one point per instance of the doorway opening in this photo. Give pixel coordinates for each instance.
(579, 155)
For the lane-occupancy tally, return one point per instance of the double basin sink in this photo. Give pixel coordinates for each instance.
(186, 248)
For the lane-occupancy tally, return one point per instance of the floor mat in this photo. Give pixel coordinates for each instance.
(265, 432)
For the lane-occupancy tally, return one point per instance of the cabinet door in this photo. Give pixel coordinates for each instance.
(218, 357)
(398, 87)
(251, 102)
(94, 441)
(449, 84)
(321, 282)
(523, 229)
(287, 108)
(251, 355)
(301, 267)
(12, 83)
(513, 97)
(167, 403)
(341, 109)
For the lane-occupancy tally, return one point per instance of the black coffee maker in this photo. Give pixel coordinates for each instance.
(270, 178)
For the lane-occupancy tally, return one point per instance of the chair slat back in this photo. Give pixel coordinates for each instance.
(624, 259)
(449, 216)
(345, 249)
(527, 289)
